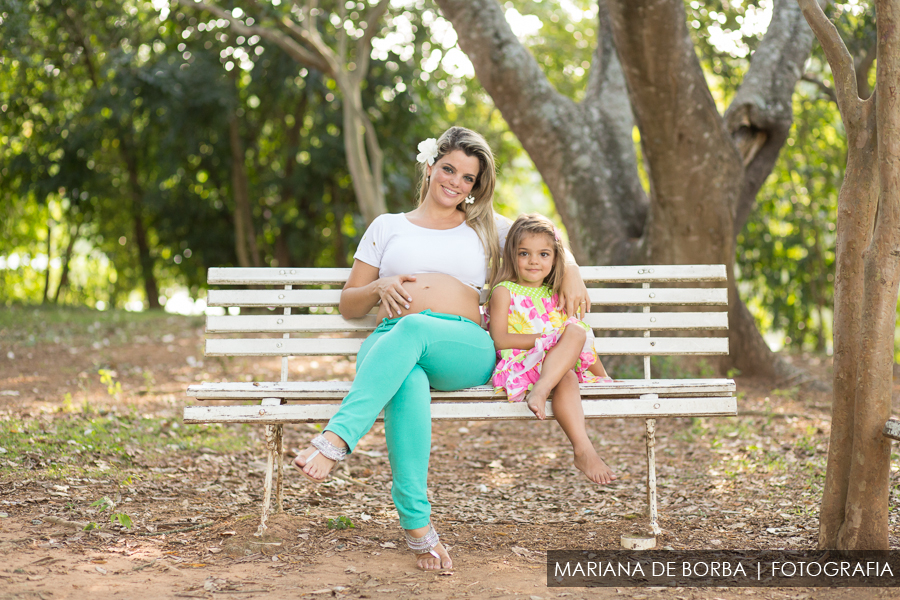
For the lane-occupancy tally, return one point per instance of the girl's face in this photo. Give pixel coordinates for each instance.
(534, 259)
(452, 178)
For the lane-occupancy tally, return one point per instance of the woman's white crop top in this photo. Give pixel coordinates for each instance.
(397, 247)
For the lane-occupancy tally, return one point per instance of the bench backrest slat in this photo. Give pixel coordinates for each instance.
(633, 346)
(599, 297)
(612, 274)
(333, 323)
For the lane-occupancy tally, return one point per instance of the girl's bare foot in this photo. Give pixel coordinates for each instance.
(313, 465)
(590, 463)
(537, 401)
(430, 562)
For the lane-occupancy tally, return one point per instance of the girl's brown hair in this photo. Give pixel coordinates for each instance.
(532, 224)
(479, 214)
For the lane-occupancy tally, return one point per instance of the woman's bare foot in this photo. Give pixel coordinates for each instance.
(537, 401)
(429, 562)
(590, 463)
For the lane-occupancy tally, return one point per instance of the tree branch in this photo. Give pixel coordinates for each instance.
(760, 116)
(294, 50)
(825, 89)
(364, 44)
(559, 135)
(842, 67)
(309, 34)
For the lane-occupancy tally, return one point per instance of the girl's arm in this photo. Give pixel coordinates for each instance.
(572, 291)
(499, 328)
(364, 289)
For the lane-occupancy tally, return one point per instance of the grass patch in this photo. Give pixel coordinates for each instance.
(28, 326)
(89, 444)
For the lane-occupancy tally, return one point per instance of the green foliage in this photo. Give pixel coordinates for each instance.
(104, 504)
(786, 253)
(341, 522)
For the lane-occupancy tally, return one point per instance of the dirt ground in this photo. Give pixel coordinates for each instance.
(503, 492)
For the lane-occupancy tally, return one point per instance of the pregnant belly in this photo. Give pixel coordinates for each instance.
(440, 293)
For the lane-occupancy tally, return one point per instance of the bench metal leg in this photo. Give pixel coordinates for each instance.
(271, 446)
(279, 469)
(651, 475)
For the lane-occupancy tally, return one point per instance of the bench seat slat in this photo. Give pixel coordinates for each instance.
(651, 407)
(629, 346)
(607, 274)
(336, 390)
(336, 323)
(599, 297)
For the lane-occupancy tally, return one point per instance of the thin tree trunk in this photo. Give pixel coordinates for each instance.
(145, 259)
(49, 254)
(364, 157)
(865, 525)
(244, 231)
(67, 258)
(855, 224)
(337, 207)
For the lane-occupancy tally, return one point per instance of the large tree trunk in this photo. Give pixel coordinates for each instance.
(854, 512)
(584, 152)
(700, 167)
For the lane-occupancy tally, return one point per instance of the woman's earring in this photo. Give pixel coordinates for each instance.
(470, 199)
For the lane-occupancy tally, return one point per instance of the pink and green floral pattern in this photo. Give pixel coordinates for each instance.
(536, 310)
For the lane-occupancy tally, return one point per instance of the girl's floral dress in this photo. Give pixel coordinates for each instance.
(536, 310)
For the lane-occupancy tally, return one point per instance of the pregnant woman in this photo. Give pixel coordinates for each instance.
(425, 269)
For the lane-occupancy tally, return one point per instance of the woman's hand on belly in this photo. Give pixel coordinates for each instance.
(439, 293)
(395, 298)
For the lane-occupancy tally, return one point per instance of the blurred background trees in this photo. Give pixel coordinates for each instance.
(142, 142)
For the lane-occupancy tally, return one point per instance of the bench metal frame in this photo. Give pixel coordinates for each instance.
(315, 402)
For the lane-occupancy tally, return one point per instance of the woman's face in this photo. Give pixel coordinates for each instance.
(452, 178)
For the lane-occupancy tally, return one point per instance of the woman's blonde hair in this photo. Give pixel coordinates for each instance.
(532, 224)
(479, 214)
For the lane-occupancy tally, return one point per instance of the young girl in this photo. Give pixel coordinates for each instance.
(539, 348)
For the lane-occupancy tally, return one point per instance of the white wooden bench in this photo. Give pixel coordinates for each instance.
(644, 325)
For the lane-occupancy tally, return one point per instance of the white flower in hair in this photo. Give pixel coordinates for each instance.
(428, 151)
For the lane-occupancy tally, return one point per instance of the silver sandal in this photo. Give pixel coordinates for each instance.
(325, 448)
(424, 544)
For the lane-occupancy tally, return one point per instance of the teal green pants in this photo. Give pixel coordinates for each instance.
(395, 369)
